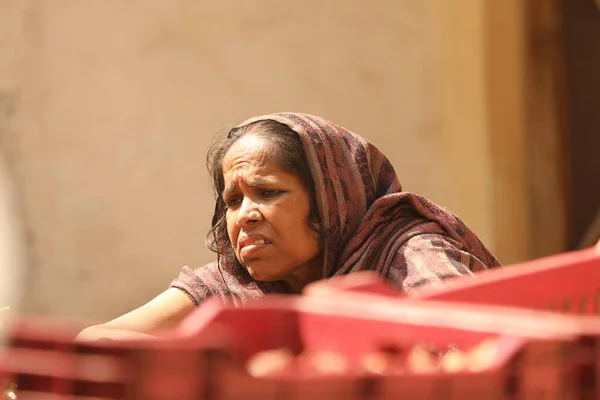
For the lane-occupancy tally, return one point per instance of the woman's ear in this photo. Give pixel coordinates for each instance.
(317, 237)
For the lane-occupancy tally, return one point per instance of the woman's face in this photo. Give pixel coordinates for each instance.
(267, 216)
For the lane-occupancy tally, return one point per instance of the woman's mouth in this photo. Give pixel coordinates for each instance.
(250, 247)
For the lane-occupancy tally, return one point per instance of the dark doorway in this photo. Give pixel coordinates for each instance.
(582, 40)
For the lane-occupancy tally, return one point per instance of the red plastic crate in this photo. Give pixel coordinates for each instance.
(45, 362)
(568, 282)
(364, 282)
(188, 364)
(540, 355)
(545, 370)
(204, 357)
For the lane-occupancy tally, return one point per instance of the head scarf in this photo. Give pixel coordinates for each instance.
(361, 205)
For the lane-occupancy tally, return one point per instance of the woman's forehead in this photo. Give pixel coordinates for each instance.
(247, 161)
(250, 160)
(257, 175)
(241, 159)
(248, 170)
(251, 147)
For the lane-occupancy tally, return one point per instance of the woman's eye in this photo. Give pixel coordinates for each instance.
(230, 203)
(271, 193)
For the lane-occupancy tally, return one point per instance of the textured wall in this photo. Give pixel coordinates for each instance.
(116, 103)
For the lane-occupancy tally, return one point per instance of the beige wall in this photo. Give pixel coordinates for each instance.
(117, 101)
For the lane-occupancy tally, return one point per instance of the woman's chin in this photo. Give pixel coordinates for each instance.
(259, 275)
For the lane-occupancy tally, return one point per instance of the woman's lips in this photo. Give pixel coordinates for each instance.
(249, 247)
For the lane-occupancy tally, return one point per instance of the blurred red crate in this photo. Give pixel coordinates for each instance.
(537, 354)
(568, 282)
(365, 282)
(544, 369)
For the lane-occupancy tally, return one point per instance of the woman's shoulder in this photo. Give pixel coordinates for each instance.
(226, 283)
(199, 283)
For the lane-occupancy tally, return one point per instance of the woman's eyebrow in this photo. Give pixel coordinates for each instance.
(255, 183)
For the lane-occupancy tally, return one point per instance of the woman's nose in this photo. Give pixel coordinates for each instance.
(248, 213)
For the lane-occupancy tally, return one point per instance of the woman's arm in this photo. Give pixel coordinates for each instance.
(163, 312)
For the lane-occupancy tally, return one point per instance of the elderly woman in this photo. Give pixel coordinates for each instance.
(298, 199)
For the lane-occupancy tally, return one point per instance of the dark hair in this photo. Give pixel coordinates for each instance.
(285, 148)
